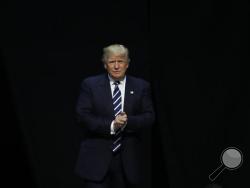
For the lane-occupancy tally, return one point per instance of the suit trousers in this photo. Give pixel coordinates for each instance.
(114, 178)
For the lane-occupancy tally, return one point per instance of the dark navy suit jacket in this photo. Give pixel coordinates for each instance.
(95, 113)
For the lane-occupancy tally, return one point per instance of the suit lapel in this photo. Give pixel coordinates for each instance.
(129, 93)
(105, 93)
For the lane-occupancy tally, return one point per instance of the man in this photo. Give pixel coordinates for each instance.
(113, 108)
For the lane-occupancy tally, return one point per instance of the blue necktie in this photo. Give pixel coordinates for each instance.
(117, 99)
(117, 103)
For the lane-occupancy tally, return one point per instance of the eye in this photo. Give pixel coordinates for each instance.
(120, 61)
(111, 62)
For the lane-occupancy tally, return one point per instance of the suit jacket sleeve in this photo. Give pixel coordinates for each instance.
(146, 116)
(93, 123)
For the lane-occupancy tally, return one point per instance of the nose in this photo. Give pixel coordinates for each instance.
(116, 65)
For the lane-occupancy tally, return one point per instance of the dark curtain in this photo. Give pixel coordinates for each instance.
(201, 91)
(193, 54)
(47, 49)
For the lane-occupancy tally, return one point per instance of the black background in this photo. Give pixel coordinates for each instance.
(193, 53)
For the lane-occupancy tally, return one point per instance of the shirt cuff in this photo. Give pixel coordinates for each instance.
(112, 129)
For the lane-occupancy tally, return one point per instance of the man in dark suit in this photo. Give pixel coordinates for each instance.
(113, 108)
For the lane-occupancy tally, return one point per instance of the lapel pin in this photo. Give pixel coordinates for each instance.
(131, 92)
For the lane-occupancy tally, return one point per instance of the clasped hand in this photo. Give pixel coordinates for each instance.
(120, 120)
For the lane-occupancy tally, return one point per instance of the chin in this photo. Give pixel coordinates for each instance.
(117, 76)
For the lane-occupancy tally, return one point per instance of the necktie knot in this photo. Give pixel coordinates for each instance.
(116, 83)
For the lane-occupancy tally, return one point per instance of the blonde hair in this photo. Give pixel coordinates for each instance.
(116, 49)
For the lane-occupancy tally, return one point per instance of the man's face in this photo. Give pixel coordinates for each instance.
(116, 65)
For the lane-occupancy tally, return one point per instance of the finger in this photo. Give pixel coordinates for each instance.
(123, 117)
(123, 120)
(122, 113)
(120, 121)
(118, 117)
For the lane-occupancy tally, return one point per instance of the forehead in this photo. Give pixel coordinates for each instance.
(116, 56)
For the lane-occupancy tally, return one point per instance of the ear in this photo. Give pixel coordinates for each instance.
(105, 66)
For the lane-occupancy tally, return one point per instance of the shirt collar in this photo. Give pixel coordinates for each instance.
(112, 80)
